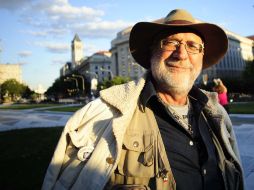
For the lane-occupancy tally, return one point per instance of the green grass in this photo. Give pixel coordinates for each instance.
(242, 108)
(24, 157)
(66, 109)
(27, 106)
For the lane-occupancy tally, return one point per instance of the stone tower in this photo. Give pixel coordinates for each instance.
(76, 51)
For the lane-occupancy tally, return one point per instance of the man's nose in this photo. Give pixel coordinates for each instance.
(181, 52)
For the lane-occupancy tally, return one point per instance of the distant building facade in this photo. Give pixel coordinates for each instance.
(232, 65)
(240, 51)
(123, 63)
(96, 66)
(10, 71)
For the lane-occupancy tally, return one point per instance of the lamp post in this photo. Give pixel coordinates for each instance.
(76, 81)
(83, 81)
(94, 82)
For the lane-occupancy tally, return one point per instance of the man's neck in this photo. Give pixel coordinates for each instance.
(173, 99)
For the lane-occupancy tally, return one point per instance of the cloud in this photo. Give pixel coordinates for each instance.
(25, 53)
(58, 17)
(13, 5)
(90, 49)
(60, 13)
(65, 10)
(100, 29)
(54, 47)
(58, 61)
(46, 33)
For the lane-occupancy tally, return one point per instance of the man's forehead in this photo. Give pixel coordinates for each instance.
(184, 35)
(166, 34)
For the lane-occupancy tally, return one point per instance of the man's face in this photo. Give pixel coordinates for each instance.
(175, 71)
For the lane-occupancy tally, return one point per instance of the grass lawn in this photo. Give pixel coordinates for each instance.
(237, 108)
(25, 155)
(27, 106)
(66, 109)
(242, 108)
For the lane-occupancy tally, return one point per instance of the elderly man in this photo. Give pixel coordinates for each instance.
(159, 132)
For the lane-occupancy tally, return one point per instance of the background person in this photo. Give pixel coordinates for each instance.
(221, 89)
(159, 132)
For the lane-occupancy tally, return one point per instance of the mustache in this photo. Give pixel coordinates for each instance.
(179, 64)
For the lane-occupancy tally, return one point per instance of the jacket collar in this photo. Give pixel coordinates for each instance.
(124, 97)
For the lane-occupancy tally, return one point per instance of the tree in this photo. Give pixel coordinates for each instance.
(12, 89)
(115, 81)
(248, 75)
(62, 88)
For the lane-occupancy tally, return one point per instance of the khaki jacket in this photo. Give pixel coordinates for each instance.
(90, 146)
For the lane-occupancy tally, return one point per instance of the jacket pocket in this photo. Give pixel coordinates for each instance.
(232, 176)
(137, 157)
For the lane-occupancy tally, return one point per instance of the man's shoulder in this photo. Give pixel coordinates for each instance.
(125, 96)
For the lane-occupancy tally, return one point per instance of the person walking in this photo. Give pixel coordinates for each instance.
(159, 132)
(221, 89)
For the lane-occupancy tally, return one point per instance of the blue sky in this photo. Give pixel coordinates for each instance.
(38, 33)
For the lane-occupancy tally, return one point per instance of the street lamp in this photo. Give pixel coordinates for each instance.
(83, 81)
(94, 82)
(76, 81)
(111, 74)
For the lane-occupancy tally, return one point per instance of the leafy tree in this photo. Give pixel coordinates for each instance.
(65, 88)
(13, 89)
(58, 88)
(115, 81)
(27, 92)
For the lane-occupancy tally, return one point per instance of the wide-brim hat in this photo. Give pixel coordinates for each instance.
(143, 34)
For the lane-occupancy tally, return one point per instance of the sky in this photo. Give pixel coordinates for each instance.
(37, 33)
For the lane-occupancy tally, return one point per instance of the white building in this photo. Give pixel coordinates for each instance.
(97, 66)
(10, 71)
(233, 64)
(123, 63)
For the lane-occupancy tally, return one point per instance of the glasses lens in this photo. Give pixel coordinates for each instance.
(193, 47)
(172, 45)
(169, 45)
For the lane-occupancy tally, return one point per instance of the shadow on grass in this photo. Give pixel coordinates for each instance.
(25, 155)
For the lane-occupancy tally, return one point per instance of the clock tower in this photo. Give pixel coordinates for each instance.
(76, 51)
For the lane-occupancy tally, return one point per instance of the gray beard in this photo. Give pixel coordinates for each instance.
(178, 83)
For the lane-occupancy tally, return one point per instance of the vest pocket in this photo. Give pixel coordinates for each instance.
(137, 157)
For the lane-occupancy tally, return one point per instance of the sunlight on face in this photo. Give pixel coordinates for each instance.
(176, 71)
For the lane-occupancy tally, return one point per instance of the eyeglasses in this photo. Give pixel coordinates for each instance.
(190, 46)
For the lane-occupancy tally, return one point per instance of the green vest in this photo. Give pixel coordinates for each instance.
(143, 158)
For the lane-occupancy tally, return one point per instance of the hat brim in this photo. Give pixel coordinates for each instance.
(143, 34)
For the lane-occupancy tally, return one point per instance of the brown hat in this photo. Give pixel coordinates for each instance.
(143, 35)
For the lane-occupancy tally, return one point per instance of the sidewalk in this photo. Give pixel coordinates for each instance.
(16, 119)
(245, 138)
(35, 118)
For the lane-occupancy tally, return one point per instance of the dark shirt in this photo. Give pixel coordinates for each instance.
(192, 156)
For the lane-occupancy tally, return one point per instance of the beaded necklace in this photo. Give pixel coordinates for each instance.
(182, 114)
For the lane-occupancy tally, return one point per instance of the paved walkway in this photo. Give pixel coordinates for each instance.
(32, 118)
(243, 126)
